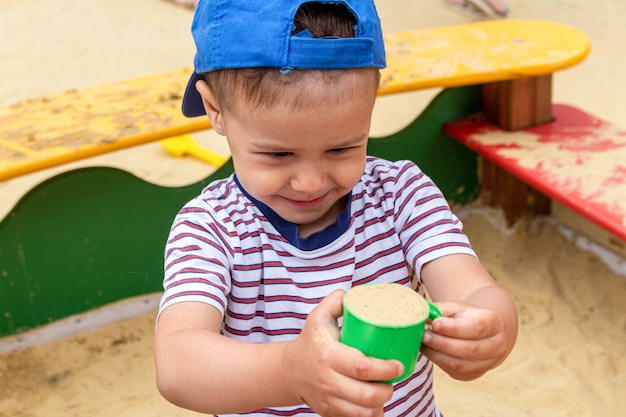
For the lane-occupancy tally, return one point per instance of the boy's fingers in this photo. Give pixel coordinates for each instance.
(450, 309)
(324, 317)
(368, 392)
(358, 366)
(474, 324)
(333, 303)
(458, 368)
(468, 349)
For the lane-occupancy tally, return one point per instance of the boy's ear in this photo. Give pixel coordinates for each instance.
(211, 107)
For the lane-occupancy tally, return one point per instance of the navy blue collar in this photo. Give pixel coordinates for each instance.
(290, 231)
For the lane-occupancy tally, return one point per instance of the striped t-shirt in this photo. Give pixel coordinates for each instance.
(234, 253)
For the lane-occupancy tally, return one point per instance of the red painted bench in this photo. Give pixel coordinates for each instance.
(577, 160)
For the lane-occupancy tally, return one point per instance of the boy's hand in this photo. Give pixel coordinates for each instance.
(466, 341)
(334, 379)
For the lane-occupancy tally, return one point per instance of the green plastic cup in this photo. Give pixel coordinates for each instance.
(386, 321)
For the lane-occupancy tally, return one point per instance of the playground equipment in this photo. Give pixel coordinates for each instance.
(93, 236)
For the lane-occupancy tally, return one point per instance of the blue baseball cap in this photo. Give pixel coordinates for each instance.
(258, 33)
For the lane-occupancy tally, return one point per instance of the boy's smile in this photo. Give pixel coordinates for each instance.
(307, 204)
(301, 161)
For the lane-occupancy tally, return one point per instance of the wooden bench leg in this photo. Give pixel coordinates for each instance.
(520, 103)
(516, 199)
(515, 105)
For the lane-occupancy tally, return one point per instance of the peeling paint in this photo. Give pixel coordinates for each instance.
(579, 160)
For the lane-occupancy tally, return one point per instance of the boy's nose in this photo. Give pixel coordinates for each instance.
(308, 180)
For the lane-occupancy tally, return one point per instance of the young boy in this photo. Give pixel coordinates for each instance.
(256, 266)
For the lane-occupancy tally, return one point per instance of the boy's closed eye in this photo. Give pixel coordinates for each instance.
(282, 155)
(339, 150)
(279, 155)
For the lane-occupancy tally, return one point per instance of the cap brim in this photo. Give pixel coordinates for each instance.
(192, 105)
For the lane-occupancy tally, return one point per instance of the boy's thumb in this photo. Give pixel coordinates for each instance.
(332, 304)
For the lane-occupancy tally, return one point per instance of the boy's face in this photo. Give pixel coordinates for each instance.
(302, 161)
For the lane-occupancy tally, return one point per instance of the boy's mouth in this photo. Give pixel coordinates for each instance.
(307, 203)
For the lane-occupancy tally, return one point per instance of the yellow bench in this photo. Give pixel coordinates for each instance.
(51, 131)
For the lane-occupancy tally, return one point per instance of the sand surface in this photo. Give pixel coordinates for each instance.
(570, 356)
(386, 304)
(570, 359)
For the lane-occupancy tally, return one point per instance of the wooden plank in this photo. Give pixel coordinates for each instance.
(480, 52)
(578, 160)
(520, 103)
(517, 199)
(51, 131)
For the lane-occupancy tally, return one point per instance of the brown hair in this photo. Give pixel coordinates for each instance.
(265, 87)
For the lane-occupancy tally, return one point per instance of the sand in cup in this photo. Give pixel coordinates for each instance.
(386, 321)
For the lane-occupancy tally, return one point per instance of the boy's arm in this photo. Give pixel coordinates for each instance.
(202, 370)
(479, 324)
(190, 354)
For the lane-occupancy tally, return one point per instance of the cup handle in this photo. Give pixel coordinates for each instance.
(433, 311)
